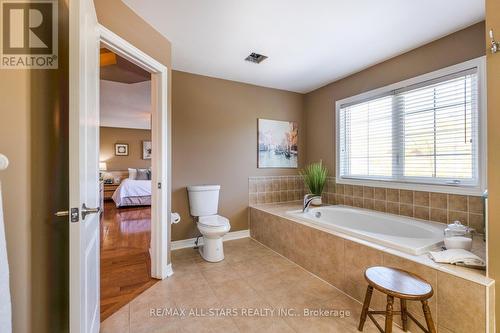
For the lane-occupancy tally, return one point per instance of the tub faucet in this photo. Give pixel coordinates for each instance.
(308, 199)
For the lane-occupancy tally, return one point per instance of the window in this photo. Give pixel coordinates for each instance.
(423, 131)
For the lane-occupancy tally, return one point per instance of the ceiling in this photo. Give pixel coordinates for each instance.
(118, 69)
(309, 43)
(125, 105)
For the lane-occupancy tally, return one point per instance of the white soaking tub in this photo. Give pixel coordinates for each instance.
(398, 232)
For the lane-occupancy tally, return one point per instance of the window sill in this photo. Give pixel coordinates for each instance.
(449, 189)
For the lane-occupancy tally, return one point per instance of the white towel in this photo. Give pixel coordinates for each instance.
(5, 304)
(457, 257)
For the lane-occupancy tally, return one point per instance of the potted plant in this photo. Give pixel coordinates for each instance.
(314, 176)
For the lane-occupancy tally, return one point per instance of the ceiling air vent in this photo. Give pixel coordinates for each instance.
(256, 58)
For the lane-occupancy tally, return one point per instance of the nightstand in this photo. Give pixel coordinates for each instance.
(109, 189)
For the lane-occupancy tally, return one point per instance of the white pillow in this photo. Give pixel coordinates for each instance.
(132, 173)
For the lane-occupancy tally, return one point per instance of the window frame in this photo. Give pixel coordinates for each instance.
(480, 64)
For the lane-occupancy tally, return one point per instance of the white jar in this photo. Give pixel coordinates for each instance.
(458, 236)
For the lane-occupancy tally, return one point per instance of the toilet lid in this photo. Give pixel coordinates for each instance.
(213, 221)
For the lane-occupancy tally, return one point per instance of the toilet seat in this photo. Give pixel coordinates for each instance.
(213, 221)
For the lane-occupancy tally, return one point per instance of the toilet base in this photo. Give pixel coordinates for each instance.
(212, 249)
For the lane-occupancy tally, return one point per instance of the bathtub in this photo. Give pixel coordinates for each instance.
(397, 232)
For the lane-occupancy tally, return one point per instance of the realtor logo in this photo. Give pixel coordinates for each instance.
(28, 38)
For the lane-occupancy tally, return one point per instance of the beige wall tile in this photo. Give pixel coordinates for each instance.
(339, 189)
(461, 304)
(422, 198)
(392, 195)
(339, 199)
(252, 198)
(422, 212)
(261, 185)
(261, 197)
(380, 205)
(439, 200)
(476, 205)
(439, 215)
(269, 197)
(476, 221)
(283, 183)
(406, 197)
(348, 190)
(357, 191)
(368, 192)
(276, 184)
(457, 202)
(358, 258)
(406, 210)
(458, 216)
(393, 207)
(379, 193)
(348, 201)
(368, 203)
(358, 202)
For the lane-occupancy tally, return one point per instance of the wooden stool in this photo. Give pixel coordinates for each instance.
(400, 284)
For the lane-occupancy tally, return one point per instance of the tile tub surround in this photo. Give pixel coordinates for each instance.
(458, 305)
(438, 207)
(277, 189)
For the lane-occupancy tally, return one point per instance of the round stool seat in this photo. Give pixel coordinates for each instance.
(398, 283)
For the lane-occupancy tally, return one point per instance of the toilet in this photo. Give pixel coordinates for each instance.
(203, 205)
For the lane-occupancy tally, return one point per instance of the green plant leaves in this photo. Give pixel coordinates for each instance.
(314, 176)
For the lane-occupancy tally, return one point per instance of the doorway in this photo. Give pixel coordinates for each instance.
(142, 218)
(125, 148)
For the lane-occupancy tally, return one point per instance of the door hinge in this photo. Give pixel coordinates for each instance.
(75, 215)
(159, 185)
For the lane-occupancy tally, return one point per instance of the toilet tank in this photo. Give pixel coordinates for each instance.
(203, 199)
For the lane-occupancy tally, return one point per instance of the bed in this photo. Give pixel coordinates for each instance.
(133, 192)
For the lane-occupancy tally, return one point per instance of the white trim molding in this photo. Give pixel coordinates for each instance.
(160, 132)
(4, 162)
(187, 243)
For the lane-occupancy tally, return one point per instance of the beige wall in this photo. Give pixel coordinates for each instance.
(134, 137)
(215, 141)
(320, 104)
(493, 71)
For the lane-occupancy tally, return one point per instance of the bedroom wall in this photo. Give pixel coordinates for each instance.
(134, 137)
(215, 141)
(320, 104)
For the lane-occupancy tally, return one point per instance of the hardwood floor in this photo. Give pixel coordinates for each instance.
(125, 260)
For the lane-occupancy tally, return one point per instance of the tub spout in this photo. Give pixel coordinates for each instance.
(308, 199)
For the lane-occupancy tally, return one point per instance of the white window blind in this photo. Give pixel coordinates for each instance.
(423, 133)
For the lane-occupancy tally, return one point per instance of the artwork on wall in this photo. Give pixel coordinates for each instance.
(121, 149)
(278, 144)
(146, 150)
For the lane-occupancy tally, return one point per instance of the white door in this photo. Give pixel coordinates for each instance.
(83, 166)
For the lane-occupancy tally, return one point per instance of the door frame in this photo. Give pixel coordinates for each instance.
(160, 160)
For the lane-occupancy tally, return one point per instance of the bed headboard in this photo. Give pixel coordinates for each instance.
(116, 175)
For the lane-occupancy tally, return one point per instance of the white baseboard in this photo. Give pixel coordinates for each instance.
(169, 271)
(187, 243)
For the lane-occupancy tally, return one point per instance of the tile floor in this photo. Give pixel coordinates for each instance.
(251, 278)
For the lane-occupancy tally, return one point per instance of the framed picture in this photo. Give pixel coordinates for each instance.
(121, 149)
(278, 144)
(146, 150)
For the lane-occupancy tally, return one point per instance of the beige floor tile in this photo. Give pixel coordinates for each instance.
(234, 292)
(251, 277)
(117, 322)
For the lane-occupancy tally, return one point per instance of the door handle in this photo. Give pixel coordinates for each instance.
(87, 211)
(62, 213)
(73, 213)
